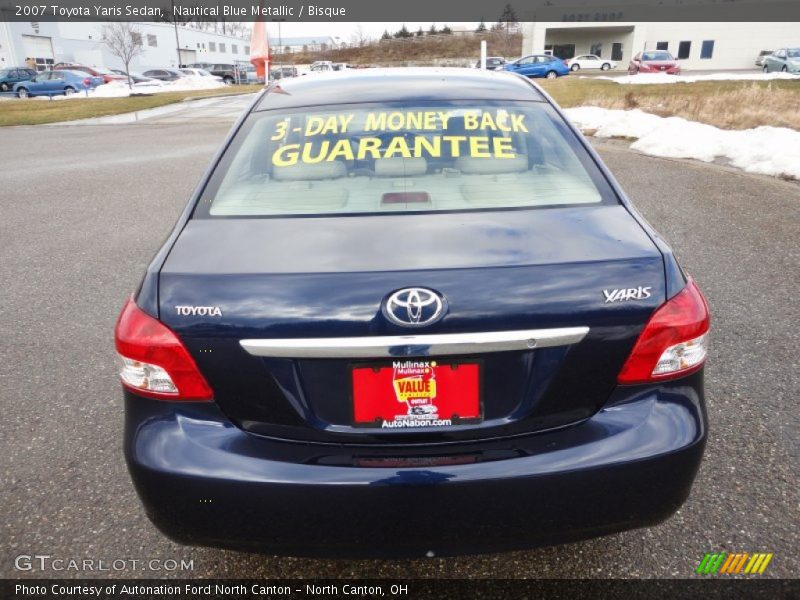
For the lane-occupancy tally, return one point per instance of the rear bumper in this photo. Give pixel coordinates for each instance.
(204, 481)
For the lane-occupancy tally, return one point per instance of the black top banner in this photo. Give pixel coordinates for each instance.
(590, 11)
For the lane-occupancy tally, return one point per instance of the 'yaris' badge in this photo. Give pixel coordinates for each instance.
(414, 307)
(622, 295)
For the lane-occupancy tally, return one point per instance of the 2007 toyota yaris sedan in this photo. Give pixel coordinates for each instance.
(407, 313)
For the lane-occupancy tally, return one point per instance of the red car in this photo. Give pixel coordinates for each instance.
(654, 61)
(107, 75)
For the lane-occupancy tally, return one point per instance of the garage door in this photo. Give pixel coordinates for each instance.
(188, 57)
(40, 49)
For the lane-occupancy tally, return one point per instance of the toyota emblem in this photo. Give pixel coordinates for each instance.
(414, 307)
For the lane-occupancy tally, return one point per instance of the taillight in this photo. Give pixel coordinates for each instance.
(154, 361)
(674, 342)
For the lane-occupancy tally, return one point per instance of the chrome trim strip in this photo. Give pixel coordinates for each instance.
(415, 345)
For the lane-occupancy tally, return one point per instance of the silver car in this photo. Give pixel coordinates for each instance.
(761, 56)
(785, 60)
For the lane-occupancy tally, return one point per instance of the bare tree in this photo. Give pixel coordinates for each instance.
(359, 38)
(124, 40)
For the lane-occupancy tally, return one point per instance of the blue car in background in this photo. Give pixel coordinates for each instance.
(56, 83)
(8, 77)
(410, 313)
(539, 65)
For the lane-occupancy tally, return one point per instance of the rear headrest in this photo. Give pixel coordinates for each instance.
(400, 167)
(491, 166)
(309, 172)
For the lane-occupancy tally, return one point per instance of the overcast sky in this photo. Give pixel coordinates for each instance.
(347, 30)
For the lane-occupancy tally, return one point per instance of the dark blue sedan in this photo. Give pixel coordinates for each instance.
(539, 65)
(57, 83)
(407, 313)
(8, 77)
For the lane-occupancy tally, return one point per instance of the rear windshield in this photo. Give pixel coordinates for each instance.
(379, 158)
(657, 56)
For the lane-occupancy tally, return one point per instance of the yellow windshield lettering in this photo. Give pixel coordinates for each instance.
(341, 149)
(375, 122)
(479, 147)
(286, 156)
(454, 141)
(395, 121)
(369, 145)
(325, 125)
(503, 147)
(323, 151)
(433, 146)
(398, 145)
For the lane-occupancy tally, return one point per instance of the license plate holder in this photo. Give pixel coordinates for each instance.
(413, 393)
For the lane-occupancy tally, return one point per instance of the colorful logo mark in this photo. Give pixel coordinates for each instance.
(723, 563)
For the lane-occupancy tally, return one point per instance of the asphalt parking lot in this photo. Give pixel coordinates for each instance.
(84, 208)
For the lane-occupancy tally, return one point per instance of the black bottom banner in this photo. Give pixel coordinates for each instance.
(310, 589)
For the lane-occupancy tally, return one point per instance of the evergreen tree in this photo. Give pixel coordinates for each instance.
(386, 35)
(432, 30)
(403, 32)
(481, 28)
(446, 30)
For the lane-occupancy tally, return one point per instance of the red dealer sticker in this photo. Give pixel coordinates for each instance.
(417, 393)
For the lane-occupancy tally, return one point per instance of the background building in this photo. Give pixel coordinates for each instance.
(697, 45)
(82, 42)
(290, 45)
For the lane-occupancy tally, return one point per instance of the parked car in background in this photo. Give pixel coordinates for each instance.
(538, 65)
(107, 74)
(8, 77)
(164, 74)
(785, 60)
(654, 61)
(250, 74)
(761, 56)
(590, 61)
(229, 73)
(193, 72)
(321, 66)
(493, 63)
(283, 72)
(56, 83)
(135, 77)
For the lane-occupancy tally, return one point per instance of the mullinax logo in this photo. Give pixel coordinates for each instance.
(722, 563)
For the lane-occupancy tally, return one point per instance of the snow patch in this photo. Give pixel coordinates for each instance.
(120, 89)
(765, 150)
(651, 78)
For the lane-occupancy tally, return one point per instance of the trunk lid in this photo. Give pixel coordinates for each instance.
(499, 271)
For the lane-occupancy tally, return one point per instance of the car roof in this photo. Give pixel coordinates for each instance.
(398, 85)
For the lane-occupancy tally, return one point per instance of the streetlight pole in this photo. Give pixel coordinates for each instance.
(177, 42)
(279, 49)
